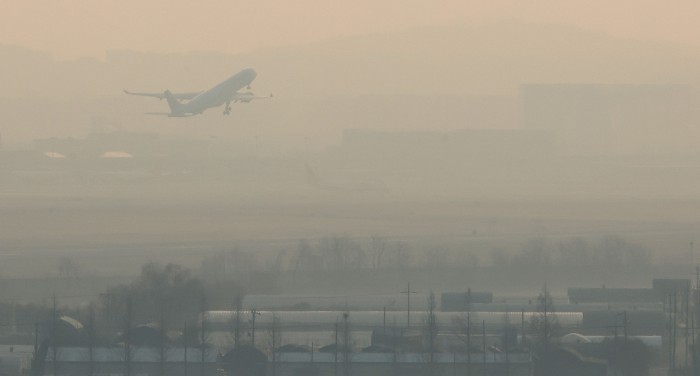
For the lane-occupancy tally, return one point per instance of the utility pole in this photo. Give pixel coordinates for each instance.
(335, 356)
(408, 293)
(672, 323)
(35, 359)
(675, 326)
(522, 327)
(468, 299)
(127, 341)
(394, 344)
(695, 359)
(616, 347)
(545, 329)
(36, 340)
(161, 339)
(696, 317)
(203, 334)
(384, 324)
(346, 344)
(91, 341)
(670, 333)
(469, 344)
(237, 322)
(54, 340)
(454, 364)
(184, 334)
(483, 342)
(431, 326)
(687, 324)
(507, 356)
(274, 339)
(253, 312)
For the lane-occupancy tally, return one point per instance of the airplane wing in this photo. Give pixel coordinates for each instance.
(247, 97)
(168, 114)
(161, 95)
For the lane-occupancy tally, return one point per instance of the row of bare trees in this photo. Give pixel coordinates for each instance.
(606, 252)
(345, 253)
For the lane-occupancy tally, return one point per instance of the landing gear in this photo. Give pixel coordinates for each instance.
(227, 109)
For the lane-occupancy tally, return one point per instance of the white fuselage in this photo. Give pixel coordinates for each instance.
(218, 95)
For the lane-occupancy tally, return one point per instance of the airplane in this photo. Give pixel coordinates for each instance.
(197, 102)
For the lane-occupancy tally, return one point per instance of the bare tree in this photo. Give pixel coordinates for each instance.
(277, 265)
(534, 252)
(186, 342)
(128, 322)
(402, 255)
(615, 251)
(436, 258)
(544, 325)
(376, 247)
(499, 258)
(54, 335)
(91, 340)
(69, 268)
(274, 340)
(575, 252)
(306, 260)
(341, 253)
(464, 333)
(203, 332)
(347, 343)
(161, 338)
(236, 321)
(430, 332)
(171, 286)
(629, 357)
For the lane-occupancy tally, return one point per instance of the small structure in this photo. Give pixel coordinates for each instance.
(244, 361)
(570, 362)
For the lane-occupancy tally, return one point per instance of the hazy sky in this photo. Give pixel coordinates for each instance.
(77, 28)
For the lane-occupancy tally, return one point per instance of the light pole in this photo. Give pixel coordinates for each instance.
(408, 293)
(254, 313)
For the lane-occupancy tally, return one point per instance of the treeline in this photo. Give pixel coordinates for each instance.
(168, 297)
(607, 252)
(344, 253)
(336, 253)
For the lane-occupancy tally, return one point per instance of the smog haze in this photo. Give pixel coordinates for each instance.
(441, 146)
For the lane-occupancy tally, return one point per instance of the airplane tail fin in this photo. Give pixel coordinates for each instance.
(175, 105)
